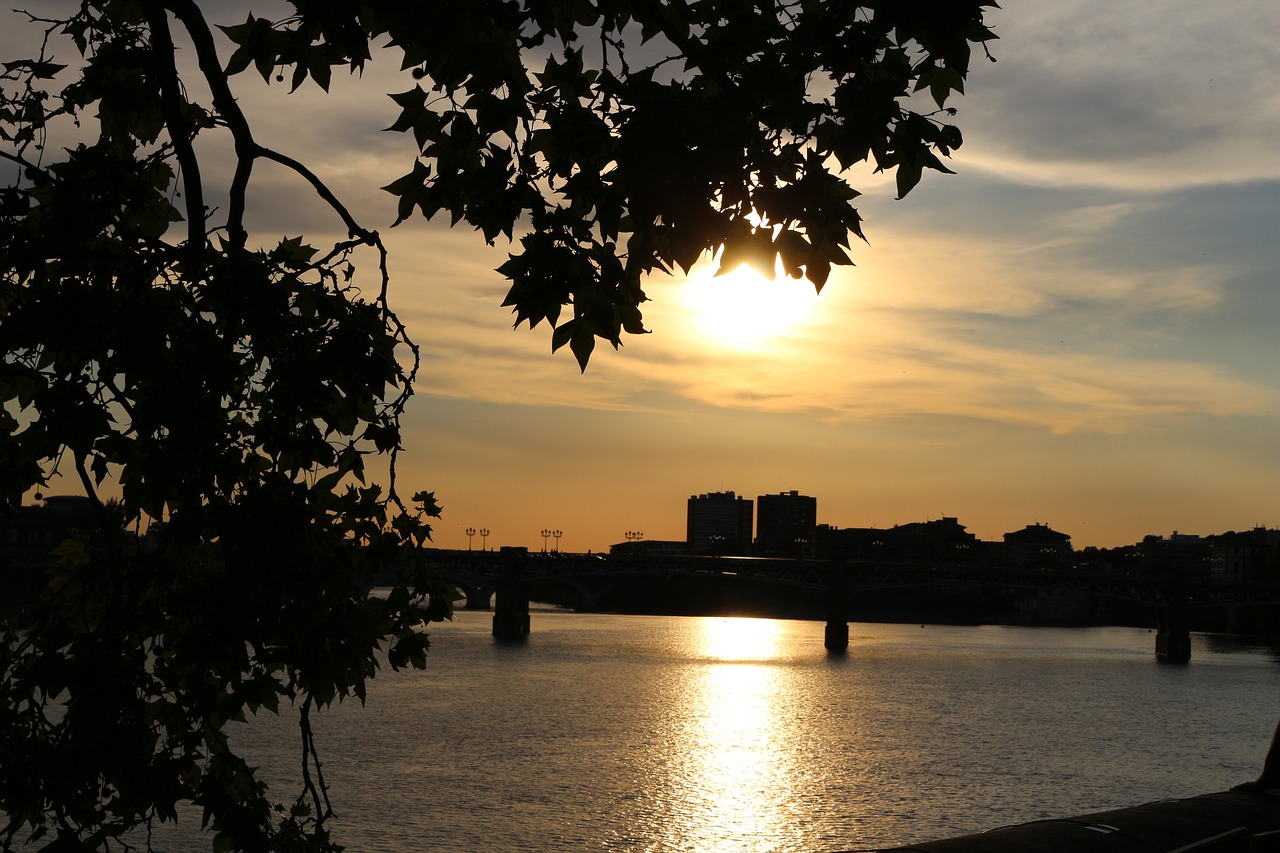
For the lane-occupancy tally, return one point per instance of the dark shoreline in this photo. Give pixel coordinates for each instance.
(1220, 822)
(21, 587)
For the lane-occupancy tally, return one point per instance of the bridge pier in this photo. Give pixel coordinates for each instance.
(511, 599)
(836, 635)
(1173, 631)
(478, 597)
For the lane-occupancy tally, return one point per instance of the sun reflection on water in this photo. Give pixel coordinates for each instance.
(739, 639)
(732, 784)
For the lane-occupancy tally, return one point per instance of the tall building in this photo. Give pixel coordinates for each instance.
(786, 524)
(719, 523)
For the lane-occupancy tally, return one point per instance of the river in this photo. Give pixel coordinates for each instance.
(637, 733)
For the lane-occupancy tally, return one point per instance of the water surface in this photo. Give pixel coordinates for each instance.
(637, 733)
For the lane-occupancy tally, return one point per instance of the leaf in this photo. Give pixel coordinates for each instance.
(425, 123)
(818, 272)
(908, 176)
(562, 334)
(99, 469)
(293, 253)
(413, 192)
(39, 70)
(582, 343)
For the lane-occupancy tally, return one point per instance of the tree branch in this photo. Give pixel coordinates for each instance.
(247, 150)
(318, 790)
(100, 515)
(181, 130)
(369, 238)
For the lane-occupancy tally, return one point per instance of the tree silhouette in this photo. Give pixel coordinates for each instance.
(232, 392)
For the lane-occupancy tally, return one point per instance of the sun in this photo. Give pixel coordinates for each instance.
(742, 309)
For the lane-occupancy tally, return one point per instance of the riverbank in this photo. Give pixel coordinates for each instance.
(953, 604)
(1223, 822)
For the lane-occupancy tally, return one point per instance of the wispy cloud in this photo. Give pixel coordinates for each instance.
(909, 341)
(1134, 95)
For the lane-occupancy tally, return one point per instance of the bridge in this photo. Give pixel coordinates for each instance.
(506, 575)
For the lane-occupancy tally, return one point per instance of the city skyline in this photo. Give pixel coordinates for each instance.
(1077, 327)
(682, 535)
(539, 540)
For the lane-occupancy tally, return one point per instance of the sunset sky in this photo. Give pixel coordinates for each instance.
(1078, 328)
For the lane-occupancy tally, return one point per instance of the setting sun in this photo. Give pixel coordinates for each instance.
(743, 309)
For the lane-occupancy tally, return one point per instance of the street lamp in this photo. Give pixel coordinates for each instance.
(470, 531)
(557, 534)
(545, 534)
(634, 535)
(484, 539)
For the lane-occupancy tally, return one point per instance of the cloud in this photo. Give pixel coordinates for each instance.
(1096, 217)
(1138, 96)
(909, 366)
(889, 339)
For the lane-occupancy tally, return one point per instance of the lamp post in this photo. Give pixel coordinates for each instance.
(634, 535)
(470, 531)
(557, 534)
(545, 534)
(484, 539)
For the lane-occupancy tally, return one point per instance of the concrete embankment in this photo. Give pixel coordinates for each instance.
(1226, 822)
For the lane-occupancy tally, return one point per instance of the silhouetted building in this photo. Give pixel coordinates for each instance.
(786, 524)
(1037, 546)
(1250, 555)
(719, 523)
(36, 529)
(942, 540)
(650, 548)
(849, 543)
(1185, 553)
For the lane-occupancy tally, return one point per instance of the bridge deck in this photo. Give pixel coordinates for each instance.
(1157, 588)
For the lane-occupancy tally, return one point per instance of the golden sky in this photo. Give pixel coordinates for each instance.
(1078, 328)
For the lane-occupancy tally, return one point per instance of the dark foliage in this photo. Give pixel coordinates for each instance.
(231, 393)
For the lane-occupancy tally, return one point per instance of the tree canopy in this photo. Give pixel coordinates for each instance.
(229, 389)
